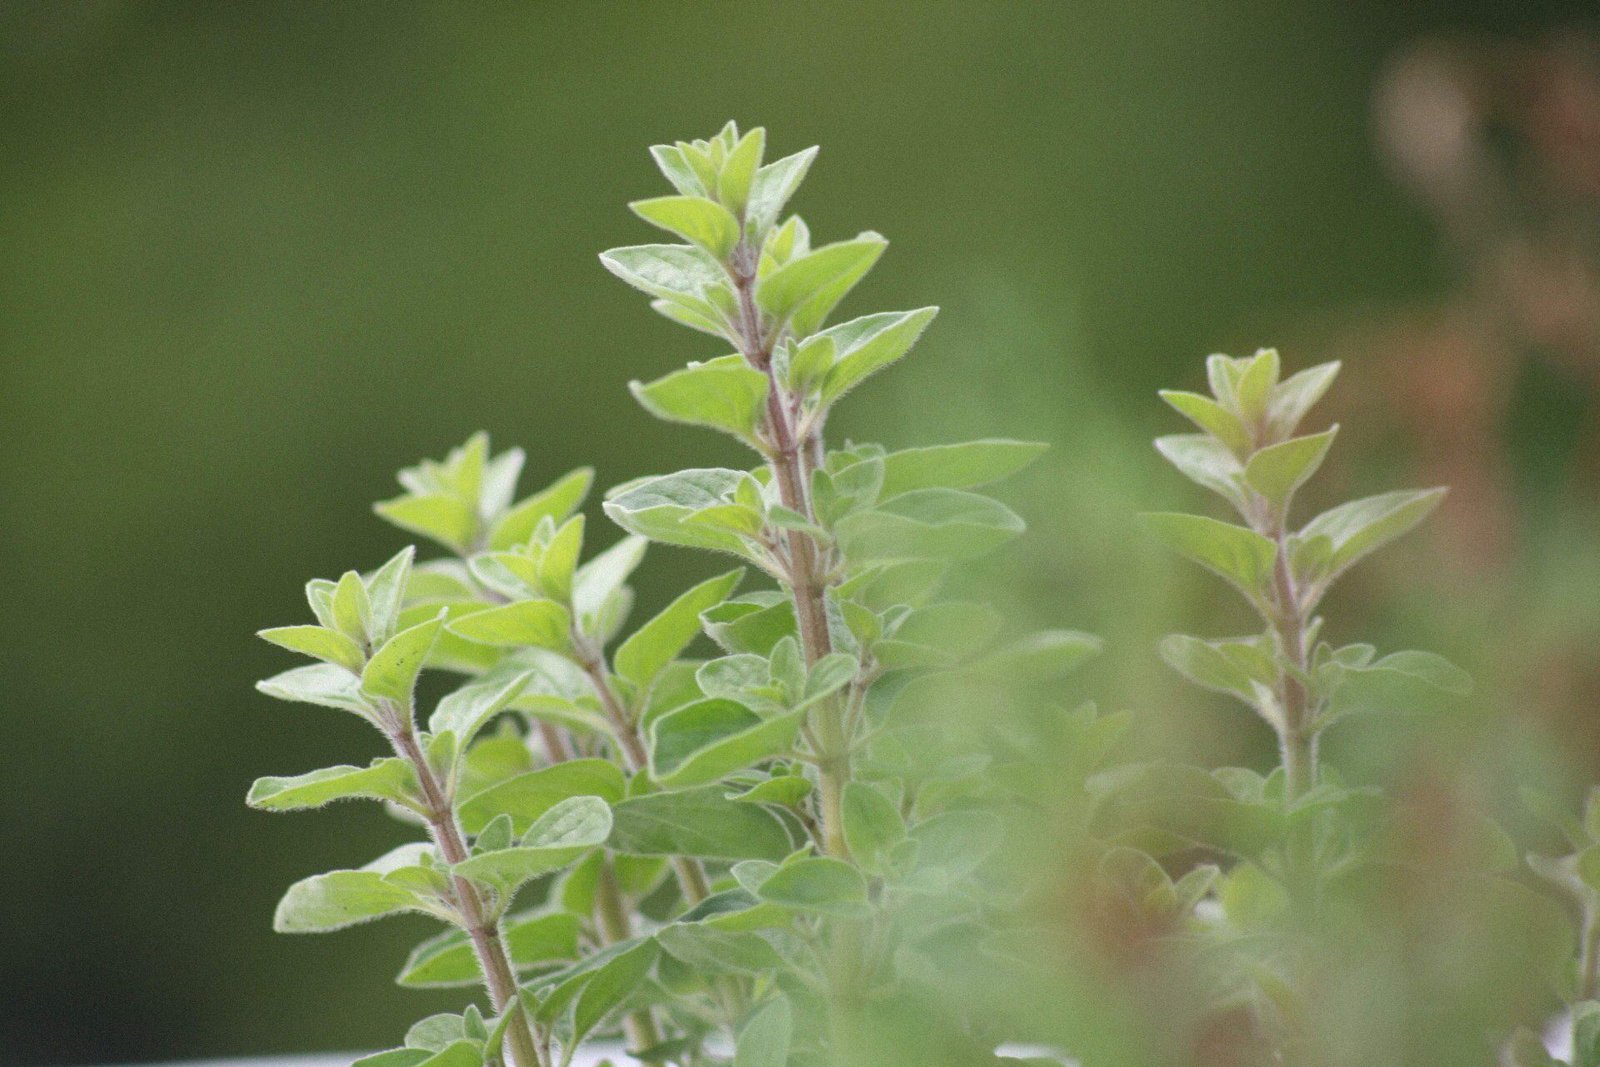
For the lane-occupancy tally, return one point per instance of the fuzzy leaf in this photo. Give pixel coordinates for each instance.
(658, 642)
(806, 288)
(710, 739)
(774, 184)
(1278, 470)
(439, 517)
(448, 959)
(557, 838)
(866, 345)
(1211, 417)
(1362, 526)
(528, 796)
(725, 394)
(320, 683)
(534, 623)
(927, 524)
(696, 219)
(764, 1041)
(818, 884)
(698, 822)
(468, 709)
(323, 643)
(1242, 556)
(962, 466)
(557, 502)
(389, 778)
(392, 671)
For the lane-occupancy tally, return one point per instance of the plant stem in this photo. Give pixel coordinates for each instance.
(1296, 738)
(614, 928)
(691, 876)
(500, 978)
(807, 586)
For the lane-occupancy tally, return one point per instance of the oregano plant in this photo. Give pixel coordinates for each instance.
(817, 811)
(724, 833)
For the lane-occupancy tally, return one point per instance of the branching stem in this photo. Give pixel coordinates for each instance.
(483, 927)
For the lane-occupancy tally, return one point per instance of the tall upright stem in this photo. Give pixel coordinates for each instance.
(1296, 736)
(500, 978)
(807, 583)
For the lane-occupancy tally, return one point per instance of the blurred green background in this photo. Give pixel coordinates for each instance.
(256, 257)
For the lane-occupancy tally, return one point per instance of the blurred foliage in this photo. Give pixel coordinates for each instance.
(246, 246)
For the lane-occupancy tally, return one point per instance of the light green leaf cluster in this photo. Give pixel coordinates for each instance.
(761, 804)
(1252, 453)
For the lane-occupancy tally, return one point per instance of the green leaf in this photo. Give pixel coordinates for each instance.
(448, 959)
(386, 591)
(710, 739)
(785, 790)
(677, 169)
(598, 581)
(557, 838)
(818, 884)
(962, 466)
(1425, 667)
(556, 503)
(320, 683)
(807, 287)
(610, 986)
(698, 822)
(330, 646)
(389, 778)
(661, 508)
(1362, 526)
(774, 184)
(872, 826)
(739, 172)
(658, 642)
(1278, 470)
(725, 394)
(694, 218)
(528, 796)
(752, 623)
(352, 612)
(535, 623)
(392, 671)
(866, 345)
(1205, 461)
(1253, 386)
(339, 899)
(927, 524)
(1213, 418)
(468, 709)
(437, 516)
(708, 949)
(764, 1041)
(1242, 556)
(1236, 668)
(677, 273)
(1296, 395)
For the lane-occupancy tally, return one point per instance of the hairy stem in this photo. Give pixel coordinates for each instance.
(614, 928)
(500, 978)
(1296, 736)
(691, 876)
(790, 459)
